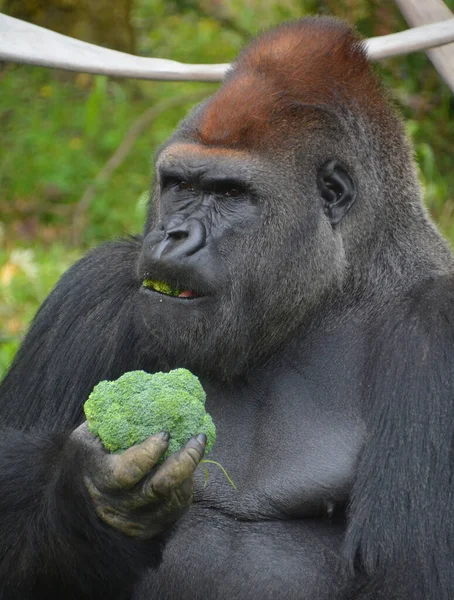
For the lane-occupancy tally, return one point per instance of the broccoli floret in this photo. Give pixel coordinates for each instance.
(127, 411)
(161, 286)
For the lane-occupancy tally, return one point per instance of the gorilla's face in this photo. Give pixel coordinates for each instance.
(237, 255)
(205, 211)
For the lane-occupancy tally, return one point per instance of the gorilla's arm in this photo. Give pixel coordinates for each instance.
(51, 540)
(401, 528)
(50, 537)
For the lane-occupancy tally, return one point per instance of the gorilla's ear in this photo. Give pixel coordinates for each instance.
(337, 189)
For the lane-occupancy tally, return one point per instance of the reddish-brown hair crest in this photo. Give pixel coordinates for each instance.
(316, 61)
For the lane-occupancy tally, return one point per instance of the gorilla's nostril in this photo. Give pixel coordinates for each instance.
(180, 240)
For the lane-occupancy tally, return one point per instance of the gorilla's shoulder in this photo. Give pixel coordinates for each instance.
(109, 267)
(433, 298)
(421, 322)
(108, 258)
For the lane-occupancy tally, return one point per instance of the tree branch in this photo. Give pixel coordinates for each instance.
(22, 42)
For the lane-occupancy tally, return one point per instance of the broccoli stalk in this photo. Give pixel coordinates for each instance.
(127, 411)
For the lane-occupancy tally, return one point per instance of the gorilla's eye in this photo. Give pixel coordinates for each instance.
(186, 186)
(229, 189)
(232, 193)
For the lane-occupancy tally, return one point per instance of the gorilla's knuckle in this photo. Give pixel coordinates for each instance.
(123, 475)
(193, 457)
(92, 489)
(149, 454)
(182, 497)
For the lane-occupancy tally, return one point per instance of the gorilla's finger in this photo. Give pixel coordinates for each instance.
(93, 452)
(83, 435)
(177, 468)
(132, 465)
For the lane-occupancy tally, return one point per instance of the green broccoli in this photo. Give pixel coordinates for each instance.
(127, 411)
(161, 286)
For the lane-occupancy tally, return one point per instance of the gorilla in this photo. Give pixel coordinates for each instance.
(316, 305)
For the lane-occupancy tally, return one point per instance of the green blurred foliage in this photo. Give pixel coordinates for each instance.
(58, 130)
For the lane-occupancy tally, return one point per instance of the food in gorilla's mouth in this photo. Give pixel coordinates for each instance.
(164, 288)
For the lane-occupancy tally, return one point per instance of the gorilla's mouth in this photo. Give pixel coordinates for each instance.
(166, 289)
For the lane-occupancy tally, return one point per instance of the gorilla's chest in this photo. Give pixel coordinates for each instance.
(211, 556)
(289, 443)
(291, 452)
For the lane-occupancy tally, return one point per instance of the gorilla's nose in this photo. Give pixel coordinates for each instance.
(181, 239)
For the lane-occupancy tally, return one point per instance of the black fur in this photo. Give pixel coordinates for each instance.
(401, 502)
(325, 344)
(52, 545)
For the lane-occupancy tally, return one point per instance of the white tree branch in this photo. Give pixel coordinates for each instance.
(22, 42)
(411, 40)
(418, 12)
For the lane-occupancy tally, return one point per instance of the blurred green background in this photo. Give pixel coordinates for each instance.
(59, 130)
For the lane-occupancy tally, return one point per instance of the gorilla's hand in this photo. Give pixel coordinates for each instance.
(131, 495)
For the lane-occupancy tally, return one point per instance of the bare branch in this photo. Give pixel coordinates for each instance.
(23, 42)
(417, 12)
(411, 40)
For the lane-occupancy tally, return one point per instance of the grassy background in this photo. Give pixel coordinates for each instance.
(59, 129)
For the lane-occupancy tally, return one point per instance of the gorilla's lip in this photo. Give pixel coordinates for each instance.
(165, 289)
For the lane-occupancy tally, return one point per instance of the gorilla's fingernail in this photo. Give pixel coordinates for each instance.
(202, 438)
(164, 435)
